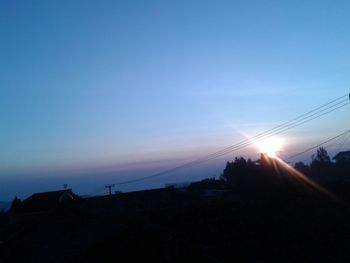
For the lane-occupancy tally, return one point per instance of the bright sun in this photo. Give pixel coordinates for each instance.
(270, 146)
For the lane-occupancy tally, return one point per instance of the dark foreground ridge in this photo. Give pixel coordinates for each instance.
(263, 217)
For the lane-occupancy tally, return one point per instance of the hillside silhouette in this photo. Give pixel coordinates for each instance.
(257, 211)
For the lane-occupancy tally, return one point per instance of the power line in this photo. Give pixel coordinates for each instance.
(344, 142)
(318, 145)
(280, 128)
(242, 144)
(255, 139)
(295, 122)
(247, 142)
(283, 125)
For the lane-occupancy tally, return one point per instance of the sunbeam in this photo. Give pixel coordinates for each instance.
(300, 176)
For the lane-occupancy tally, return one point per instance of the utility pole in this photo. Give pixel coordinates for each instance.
(110, 188)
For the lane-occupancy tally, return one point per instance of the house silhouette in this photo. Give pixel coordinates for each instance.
(342, 156)
(45, 201)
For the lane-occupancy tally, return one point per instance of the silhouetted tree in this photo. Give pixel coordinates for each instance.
(303, 168)
(322, 156)
(321, 164)
(244, 175)
(233, 169)
(3, 218)
(16, 203)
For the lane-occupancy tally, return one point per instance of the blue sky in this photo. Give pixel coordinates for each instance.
(91, 86)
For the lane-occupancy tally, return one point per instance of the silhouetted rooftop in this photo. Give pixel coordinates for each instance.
(43, 201)
(345, 154)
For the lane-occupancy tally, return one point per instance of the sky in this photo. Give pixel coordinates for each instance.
(96, 92)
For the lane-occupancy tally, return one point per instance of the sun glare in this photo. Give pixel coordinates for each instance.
(270, 146)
